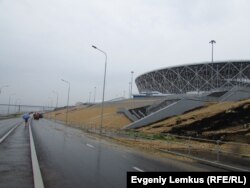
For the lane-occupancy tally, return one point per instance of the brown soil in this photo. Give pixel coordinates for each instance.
(90, 116)
(226, 121)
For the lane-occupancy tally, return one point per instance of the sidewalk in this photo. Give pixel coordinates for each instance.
(15, 160)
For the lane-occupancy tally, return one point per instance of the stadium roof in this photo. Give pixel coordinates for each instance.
(191, 64)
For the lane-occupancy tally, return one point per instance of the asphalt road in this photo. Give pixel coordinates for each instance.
(6, 125)
(15, 161)
(70, 158)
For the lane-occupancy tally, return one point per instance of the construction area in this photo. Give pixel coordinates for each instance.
(224, 120)
(197, 111)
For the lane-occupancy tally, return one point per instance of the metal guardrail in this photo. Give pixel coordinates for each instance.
(233, 154)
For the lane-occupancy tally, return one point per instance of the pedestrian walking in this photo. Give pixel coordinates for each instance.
(26, 118)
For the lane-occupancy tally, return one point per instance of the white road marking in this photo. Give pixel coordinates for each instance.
(89, 145)
(7, 134)
(37, 176)
(138, 169)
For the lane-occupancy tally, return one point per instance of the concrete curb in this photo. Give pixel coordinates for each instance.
(38, 180)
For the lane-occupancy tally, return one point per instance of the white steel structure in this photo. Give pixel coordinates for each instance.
(202, 77)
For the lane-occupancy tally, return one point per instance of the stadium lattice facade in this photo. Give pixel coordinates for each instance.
(203, 77)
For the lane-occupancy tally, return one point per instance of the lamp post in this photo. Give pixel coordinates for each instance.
(212, 42)
(129, 90)
(3, 87)
(9, 102)
(67, 100)
(104, 82)
(16, 104)
(89, 97)
(56, 97)
(19, 106)
(94, 93)
(50, 104)
(132, 72)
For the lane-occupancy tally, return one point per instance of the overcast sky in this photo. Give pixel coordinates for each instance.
(42, 41)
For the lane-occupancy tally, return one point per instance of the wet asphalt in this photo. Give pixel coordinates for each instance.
(15, 160)
(70, 158)
(6, 125)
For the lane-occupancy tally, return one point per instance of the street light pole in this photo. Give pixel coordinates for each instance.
(16, 104)
(50, 104)
(19, 106)
(9, 102)
(212, 42)
(56, 97)
(89, 97)
(129, 90)
(132, 72)
(67, 100)
(94, 93)
(104, 82)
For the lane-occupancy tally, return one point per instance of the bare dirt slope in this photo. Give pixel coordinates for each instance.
(90, 115)
(226, 121)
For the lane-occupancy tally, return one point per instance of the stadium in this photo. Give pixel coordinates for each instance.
(180, 89)
(196, 78)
